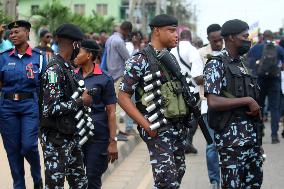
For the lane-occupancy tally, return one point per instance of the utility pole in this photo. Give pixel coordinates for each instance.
(132, 6)
(158, 7)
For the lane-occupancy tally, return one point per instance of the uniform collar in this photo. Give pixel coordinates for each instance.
(97, 70)
(28, 51)
(233, 60)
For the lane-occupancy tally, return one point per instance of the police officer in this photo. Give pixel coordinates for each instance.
(166, 144)
(232, 92)
(102, 147)
(19, 117)
(63, 156)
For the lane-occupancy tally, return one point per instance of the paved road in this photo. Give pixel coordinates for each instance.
(135, 172)
(128, 175)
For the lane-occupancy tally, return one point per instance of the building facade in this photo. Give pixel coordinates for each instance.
(108, 8)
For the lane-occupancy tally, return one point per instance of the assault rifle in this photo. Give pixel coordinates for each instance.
(171, 64)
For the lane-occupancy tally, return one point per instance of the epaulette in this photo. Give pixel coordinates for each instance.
(37, 50)
(6, 50)
(106, 73)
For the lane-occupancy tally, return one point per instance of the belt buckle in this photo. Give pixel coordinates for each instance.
(16, 96)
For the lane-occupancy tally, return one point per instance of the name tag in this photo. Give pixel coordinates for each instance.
(11, 64)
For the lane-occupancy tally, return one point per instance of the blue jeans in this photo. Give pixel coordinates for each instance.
(127, 120)
(271, 88)
(212, 156)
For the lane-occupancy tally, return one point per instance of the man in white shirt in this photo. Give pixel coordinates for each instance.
(212, 49)
(186, 54)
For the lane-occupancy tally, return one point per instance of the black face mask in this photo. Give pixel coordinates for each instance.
(244, 48)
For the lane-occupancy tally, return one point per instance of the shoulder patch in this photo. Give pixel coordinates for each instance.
(37, 50)
(106, 73)
(52, 77)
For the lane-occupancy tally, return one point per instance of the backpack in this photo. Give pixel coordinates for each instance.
(268, 63)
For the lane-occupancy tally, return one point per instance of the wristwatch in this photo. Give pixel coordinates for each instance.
(111, 139)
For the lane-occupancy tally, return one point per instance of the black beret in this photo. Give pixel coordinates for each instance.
(234, 27)
(163, 20)
(70, 31)
(90, 45)
(19, 23)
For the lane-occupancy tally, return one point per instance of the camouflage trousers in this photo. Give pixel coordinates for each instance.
(63, 158)
(167, 156)
(241, 167)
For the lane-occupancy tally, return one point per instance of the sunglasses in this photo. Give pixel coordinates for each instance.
(48, 36)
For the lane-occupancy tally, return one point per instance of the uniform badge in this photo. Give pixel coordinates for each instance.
(52, 77)
(29, 69)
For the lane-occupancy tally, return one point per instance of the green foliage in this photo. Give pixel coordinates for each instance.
(55, 14)
(4, 19)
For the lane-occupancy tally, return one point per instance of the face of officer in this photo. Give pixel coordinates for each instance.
(216, 40)
(83, 58)
(167, 36)
(47, 38)
(241, 42)
(19, 35)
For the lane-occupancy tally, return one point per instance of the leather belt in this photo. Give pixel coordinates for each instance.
(17, 96)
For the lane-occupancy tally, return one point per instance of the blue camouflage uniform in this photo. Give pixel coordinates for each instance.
(62, 153)
(19, 113)
(95, 150)
(240, 155)
(166, 150)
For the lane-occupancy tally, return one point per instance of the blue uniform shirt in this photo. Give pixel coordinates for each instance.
(21, 73)
(105, 95)
(241, 133)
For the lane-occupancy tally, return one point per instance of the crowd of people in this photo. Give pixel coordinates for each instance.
(73, 89)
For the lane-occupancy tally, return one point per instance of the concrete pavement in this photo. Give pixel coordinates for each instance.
(134, 172)
(128, 174)
(124, 148)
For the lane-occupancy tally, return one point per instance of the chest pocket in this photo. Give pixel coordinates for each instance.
(10, 73)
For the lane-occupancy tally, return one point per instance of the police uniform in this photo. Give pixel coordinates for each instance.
(63, 156)
(19, 108)
(240, 154)
(166, 150)
(95, 150)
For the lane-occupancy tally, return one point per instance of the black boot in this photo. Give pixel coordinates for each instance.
(190, 149)
(38, 185)
(282, 133)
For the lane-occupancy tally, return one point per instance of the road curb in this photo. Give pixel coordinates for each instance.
(124, 149)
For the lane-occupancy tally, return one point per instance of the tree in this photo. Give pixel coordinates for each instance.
(4, 18)
(51, 15)
(54, 14)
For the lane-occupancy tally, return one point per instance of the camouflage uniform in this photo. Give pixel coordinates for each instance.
(63, 156)
(167, 148)
(240, 156)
